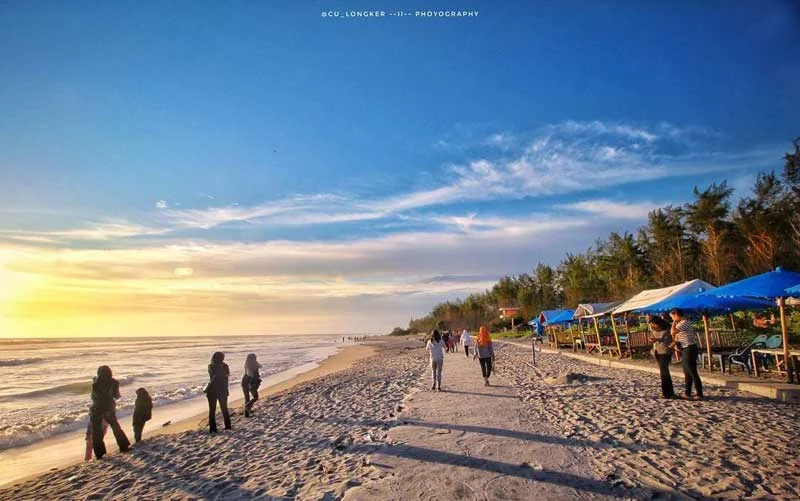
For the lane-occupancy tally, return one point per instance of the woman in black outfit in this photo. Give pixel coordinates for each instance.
(662, 352)
(218, 373)
(105, 392)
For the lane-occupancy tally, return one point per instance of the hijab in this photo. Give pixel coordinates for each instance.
(483, 337)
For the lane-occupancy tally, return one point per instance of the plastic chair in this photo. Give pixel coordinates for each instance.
(742, 357)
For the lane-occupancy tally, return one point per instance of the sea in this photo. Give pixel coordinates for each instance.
(45, 384)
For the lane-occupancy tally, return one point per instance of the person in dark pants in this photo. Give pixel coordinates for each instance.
(662, 352)
(105, 393)
(142, 412)
(251, 380)
(217, 391)
(484, 351)
(685, 338)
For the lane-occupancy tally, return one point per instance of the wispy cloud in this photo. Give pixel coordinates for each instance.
(104, 230)
(615, 210)
(569, 157)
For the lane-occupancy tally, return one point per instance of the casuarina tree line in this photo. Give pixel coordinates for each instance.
(709, 238)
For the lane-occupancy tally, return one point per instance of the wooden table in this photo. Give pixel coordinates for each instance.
(777, 353)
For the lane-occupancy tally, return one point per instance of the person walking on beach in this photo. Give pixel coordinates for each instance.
(446, 340)
(105, 393)
(685, 338)
(484, 351)
(250, 382)
(435, 348)
(142, 412)
(217, 391)
(466, 341)
(662, 352)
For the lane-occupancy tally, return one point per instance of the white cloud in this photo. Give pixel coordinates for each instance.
(615, 210)
(105, 230)
(161, 204)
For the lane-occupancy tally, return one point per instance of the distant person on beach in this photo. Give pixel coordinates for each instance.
(105, 393)
(685, 339)
(446, 340)
(662, 353)
(435, 348)
(484, 351)
(466, 341)
(217, 391)
(142, 412)
(540, 328)
(250, 382)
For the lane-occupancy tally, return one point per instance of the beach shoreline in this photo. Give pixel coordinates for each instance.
(65, 451)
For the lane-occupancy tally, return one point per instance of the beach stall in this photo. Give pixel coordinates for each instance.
(647, 298)
(593, 312)
(771, 285)
(554, 319)
(706, 305)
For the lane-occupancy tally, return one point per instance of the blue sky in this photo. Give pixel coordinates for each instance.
(255, 162)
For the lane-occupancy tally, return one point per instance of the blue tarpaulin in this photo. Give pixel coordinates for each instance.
(564, 317)
(709, 304)
(554, 317)
(769, 285)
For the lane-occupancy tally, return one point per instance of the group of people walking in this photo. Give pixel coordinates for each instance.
(436, 346)
(105, 393)
(216, 389)
(669, 338)
(103, 414)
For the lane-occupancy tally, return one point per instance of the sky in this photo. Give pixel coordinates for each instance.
(224, 168)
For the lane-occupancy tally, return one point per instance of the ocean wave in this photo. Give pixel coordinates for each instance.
(79, 388)
(13, 362)
(21, 434)
(31, 428)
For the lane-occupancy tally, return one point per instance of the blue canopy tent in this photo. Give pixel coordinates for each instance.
(794, 291)
(769, 285)
(707, 304)
(562, 318)
(552, 315)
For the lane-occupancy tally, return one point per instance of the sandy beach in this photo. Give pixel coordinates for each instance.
(373, 430)
(733, 445)
(294, 446)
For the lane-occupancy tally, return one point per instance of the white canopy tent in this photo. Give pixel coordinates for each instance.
(653, 296)
(594, 310)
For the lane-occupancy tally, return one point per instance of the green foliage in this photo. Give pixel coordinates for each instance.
(705, 238)
(399, 331)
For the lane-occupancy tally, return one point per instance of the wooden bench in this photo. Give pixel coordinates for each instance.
(639, 341)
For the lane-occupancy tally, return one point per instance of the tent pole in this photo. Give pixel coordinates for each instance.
(785, 334)
(616, 336)
(708, 343)
(733, 323)
(627, 332)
